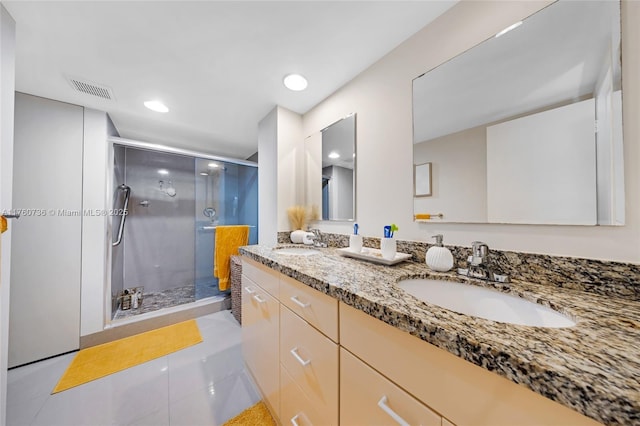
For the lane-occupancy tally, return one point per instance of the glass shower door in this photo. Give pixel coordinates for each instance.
(226, 194)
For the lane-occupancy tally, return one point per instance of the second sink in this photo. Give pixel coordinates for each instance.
(484, 303)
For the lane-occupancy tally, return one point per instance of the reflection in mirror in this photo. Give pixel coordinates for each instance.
(330, 163)
(509, 126)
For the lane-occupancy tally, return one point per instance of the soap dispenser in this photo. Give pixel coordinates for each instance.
(439, 258)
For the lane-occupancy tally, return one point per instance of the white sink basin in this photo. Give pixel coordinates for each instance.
(484, 303)
(297, 251)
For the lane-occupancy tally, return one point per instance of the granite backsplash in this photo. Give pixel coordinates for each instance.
(615, 279)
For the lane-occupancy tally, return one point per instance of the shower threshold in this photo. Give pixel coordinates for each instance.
(155, 301)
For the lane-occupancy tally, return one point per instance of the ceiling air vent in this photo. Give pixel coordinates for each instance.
(91, 88)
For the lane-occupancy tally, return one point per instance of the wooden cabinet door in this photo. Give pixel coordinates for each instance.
(260, 340)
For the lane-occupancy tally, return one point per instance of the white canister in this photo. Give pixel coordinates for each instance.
(298, 236)
(355, 243)
(388, 248)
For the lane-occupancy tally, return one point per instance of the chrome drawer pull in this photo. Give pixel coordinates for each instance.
(258, 298)
(302, 362)
(383, 404)
(299, 303)
(249, 290)
(294, 419)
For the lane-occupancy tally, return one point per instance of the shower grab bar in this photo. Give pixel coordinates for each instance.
(127, 192)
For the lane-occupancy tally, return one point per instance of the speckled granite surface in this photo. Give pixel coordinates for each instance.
(595, 276)
(592, 367)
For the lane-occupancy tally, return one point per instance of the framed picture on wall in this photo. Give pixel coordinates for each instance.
(422, 180)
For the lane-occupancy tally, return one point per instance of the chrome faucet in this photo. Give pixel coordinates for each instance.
(317, 238)
(480, 254)
(478, 264)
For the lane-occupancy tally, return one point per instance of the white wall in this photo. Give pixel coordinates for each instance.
(94, 236)
(313, 171)
(458, 166)
(381, 96)
(290, 164)
(542, 168)
(268, 178)
(340, 193)
(7, 87)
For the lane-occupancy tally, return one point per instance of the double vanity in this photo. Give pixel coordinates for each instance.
(335, 340)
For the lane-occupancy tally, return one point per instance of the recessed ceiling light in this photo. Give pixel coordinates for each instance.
(163, 171)
(214, 165)
(295, 82)
(509, 28)
(333, 155)
(156, 106)
(204, 174)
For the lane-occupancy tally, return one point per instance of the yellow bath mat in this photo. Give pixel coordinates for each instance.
(257, 415)
(99, 361)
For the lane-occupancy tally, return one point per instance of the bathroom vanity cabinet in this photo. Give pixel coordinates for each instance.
(463, 392)
(290, 335)
(338, 365)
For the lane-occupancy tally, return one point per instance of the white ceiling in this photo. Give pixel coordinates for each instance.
(217, 65)
(554, 57)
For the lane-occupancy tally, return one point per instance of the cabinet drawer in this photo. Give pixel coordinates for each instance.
(311, 359)
(260, 348)
(265, 277)
(297, 409)
(367, 398)
(319, 310)
(441, 379)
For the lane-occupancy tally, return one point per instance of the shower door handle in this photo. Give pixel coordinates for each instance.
(127, 193)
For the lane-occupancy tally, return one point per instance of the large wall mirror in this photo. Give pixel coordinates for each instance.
(526, 127)
(330, 165)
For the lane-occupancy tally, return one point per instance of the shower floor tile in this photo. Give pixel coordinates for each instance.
(173, 297)
(205, 384)
(159, 300)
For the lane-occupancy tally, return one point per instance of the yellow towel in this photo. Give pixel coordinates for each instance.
(228, 239)
(3, 224)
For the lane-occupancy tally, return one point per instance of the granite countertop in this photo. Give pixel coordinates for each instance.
(592, 367)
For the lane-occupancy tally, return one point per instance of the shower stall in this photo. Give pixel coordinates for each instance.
(167, 204)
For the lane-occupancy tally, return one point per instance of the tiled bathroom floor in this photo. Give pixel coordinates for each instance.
(205, 384)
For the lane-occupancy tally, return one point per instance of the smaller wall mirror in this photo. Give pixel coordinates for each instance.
(330, 165)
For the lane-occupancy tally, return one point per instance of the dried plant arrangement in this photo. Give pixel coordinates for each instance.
(297, 217)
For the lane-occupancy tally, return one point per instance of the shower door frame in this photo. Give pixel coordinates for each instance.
(130, 143)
